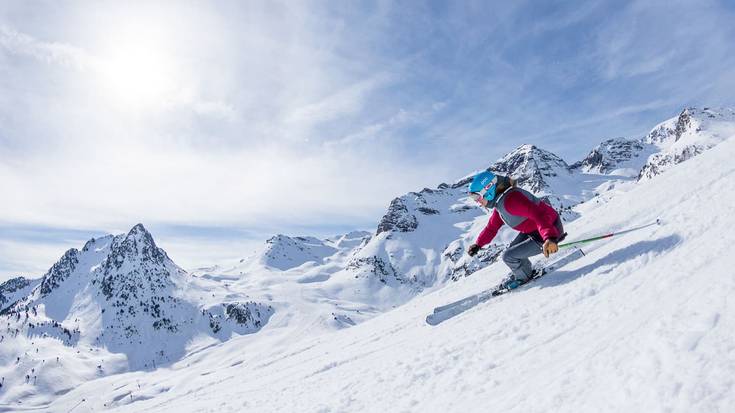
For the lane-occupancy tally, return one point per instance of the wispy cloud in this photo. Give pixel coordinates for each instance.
(49, 52)
(655, 37)
(346, 101)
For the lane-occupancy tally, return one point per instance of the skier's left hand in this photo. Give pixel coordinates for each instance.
(473, 249)
(550, 247)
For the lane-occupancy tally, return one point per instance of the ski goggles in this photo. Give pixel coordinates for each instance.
(477, 196)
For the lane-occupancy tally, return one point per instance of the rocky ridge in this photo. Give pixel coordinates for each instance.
(611, 154)
(14, 289)
(688, 135)
(531, 167)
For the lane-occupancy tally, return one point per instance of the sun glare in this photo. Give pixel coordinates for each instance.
(136, 71)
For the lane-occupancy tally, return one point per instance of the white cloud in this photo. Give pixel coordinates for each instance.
(107, 186)
(30, 259)
(236, 139)
(646, 37)
(348, 100)
(48, 52)
(219, 110)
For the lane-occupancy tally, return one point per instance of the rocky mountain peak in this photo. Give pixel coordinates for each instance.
(531, 166)
(692, 132)
(138, 245)
(609, 154)
(688, 120)
(135, 263)
(397, 218)
(139, 232)
(683, 122)
(405, 213)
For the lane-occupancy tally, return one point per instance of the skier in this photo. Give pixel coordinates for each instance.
(539, 224)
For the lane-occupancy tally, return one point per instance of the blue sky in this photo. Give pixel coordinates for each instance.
(218, 124)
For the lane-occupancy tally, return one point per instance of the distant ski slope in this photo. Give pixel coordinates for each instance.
(644, 322)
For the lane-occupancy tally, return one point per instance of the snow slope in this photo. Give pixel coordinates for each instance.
(642, 323)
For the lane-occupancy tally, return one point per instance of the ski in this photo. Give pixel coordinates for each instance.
(445, 312)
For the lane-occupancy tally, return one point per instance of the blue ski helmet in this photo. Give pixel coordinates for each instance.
(484, 184)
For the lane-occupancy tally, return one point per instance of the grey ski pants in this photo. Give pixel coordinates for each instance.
(522, 247)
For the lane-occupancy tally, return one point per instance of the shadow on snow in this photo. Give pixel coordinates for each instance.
(658, 246)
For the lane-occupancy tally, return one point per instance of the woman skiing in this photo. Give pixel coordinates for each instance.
(539, 224)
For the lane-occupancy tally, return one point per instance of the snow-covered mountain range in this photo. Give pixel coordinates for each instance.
(121, 296)
(120, 307)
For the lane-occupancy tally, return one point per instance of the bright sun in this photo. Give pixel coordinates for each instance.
(137, 72)
(138, 76)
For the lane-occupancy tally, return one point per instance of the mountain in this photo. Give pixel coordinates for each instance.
(532, 167)
(14, 289)
(616, 156)
(671, 142)
(685, 136)
(125, 295)
(284, 252)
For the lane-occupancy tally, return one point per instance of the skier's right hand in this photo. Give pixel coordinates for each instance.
(473, 249)
(550, 247)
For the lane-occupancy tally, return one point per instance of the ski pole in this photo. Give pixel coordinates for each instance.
(612, 234)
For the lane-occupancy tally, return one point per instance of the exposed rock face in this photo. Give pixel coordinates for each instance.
(660, 162)
(460, 268)
(247, 313)
(398, 218)
(672, 130)
(375, 266)
(689, 134)
(14, 289)
(611, 153)
(247, 317)
(11, 286)
(404, 213)
(60, 271)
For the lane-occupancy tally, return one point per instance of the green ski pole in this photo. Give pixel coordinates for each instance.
(584, 241)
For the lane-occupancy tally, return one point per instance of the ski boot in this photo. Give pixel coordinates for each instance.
(511, 283)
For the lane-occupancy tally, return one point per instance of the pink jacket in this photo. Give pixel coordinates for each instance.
(539, 218)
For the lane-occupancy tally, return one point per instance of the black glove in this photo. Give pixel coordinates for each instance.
(473, 249)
